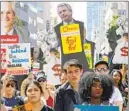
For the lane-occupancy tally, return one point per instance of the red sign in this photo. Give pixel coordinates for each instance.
(57, 69)
(9, 39)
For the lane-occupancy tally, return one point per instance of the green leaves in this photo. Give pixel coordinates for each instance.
(111, 32)
(113, 22)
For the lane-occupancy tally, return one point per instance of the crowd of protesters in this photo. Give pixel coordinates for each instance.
(98, 87)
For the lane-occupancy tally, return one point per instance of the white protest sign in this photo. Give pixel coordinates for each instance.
(19, 59)
(121, 53)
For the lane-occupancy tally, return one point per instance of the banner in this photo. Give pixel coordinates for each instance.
(87, 50)
(71, 39)
(95, 108)
(18, 57)
(9, 39)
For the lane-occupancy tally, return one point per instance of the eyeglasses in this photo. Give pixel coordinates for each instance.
(101, 69)
(42, 80)
(10, 84)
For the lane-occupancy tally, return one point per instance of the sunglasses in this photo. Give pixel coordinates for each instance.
(42, 80)
(10, 84)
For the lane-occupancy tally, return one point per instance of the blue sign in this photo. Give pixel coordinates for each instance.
(95, 108)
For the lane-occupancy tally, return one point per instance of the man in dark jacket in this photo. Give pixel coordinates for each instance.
(65, 12)
(67, 94)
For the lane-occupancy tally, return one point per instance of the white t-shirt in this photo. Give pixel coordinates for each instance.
(116, 96)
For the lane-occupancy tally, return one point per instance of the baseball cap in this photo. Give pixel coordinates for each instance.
(101, 62)
(8, 78)
(43, 76)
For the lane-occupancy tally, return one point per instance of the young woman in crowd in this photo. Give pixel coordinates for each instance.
(33, 92)
(117, 80)
(95, 89)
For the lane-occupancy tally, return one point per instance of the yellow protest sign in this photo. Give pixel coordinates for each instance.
(71, 39)
(87, 50)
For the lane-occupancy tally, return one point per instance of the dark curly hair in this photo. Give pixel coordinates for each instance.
(86, 82)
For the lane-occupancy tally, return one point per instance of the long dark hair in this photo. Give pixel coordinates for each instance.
(120, 81)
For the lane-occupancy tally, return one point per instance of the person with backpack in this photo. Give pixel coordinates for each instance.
(67, 94)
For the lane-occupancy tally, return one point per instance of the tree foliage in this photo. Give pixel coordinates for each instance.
(111, 33)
